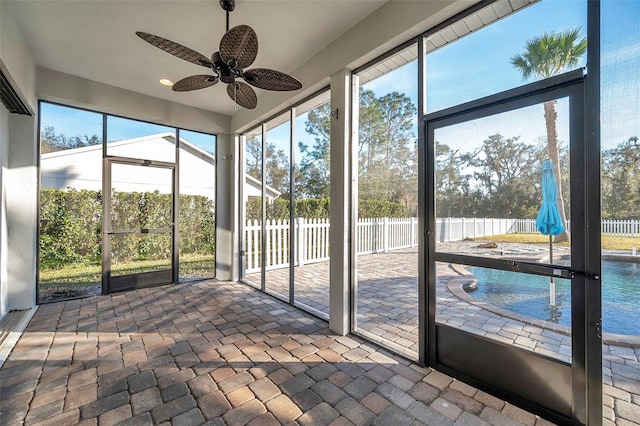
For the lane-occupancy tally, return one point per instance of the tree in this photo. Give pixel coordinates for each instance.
(51, 141)
(312, 176)
(621, 181)
(387, 164)
(545, 56)
(386, 156)
(502, 168)
(452, 185)
(253, 160)
(276, 164)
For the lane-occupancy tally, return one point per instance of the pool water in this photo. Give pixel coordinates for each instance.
(529, 295)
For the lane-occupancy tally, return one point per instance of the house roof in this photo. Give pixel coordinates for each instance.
(170, 137)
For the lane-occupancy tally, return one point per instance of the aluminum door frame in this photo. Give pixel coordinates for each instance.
(562, 392)
(144, 279)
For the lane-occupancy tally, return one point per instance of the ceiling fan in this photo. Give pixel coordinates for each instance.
(238, 50)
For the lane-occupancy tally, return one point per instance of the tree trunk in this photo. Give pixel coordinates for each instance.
(550, 116)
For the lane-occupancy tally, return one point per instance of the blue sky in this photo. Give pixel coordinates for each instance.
(467, 69)
(75, 122)
(473, 67)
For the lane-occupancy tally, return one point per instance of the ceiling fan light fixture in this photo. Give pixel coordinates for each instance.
(166, 82)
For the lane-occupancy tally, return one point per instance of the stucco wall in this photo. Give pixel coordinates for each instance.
(18, 183)
(4, 141)
(14, 54)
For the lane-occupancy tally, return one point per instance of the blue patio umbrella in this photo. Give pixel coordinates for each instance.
(549, 221)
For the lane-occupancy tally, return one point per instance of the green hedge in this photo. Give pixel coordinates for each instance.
(71, 226)
(318, 208)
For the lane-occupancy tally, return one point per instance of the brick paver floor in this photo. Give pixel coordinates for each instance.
(223, 353)
(387, 304)
(387, 313)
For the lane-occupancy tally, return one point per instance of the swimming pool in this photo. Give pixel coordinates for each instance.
(530, 296)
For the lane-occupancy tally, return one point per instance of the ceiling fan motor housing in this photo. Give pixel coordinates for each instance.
(228, 5)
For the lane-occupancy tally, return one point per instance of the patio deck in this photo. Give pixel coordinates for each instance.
(224, 353)
(387, 304)
(387, 314)
(219, 353)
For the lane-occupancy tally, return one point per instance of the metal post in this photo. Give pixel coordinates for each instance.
(292, 203)
(552, 284)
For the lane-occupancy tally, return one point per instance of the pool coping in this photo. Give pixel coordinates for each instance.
(458, 285)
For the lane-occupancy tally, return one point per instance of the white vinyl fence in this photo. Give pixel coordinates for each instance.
(377, 235)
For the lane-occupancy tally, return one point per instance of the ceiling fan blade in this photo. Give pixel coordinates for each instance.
(242, 94)
(264, 78)
(239, 46)
(195, 82)
(176, 49)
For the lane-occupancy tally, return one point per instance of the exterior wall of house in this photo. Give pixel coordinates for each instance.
(197, 173)
(4, 144)
(18, 177)
(20, 214)
(75, 168)
(15, 57)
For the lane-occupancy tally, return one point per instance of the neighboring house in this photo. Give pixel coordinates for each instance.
(81, 168)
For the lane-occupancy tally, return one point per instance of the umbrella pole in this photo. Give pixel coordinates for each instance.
(552, 284)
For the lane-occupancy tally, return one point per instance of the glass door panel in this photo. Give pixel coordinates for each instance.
(141, 226)
(507, 300)
(489, 194)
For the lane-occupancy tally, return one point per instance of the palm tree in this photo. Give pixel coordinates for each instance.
(545, 56)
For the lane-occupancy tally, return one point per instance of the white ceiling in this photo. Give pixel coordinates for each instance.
(95, 39)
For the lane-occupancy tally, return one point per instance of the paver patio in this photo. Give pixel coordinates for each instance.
(220, 353)
(387, 313)
(224, 353)
(387, 304)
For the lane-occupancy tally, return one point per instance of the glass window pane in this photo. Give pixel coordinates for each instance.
(252, 191)
(508, 307)
(386, 233)
(278, 192)
(197, 218)
(311, 194)
(70, 203)
(481, 63)
(137, 139)
(489, 184)
(620, 130)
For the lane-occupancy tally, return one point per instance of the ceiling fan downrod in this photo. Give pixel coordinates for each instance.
(228, 6)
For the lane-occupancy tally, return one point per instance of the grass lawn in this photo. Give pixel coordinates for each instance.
(75, 280)
(608, 242)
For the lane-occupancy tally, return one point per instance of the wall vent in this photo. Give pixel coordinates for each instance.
(10, 98)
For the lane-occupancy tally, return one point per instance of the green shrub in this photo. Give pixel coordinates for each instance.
(71, 226)
(318, 208)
